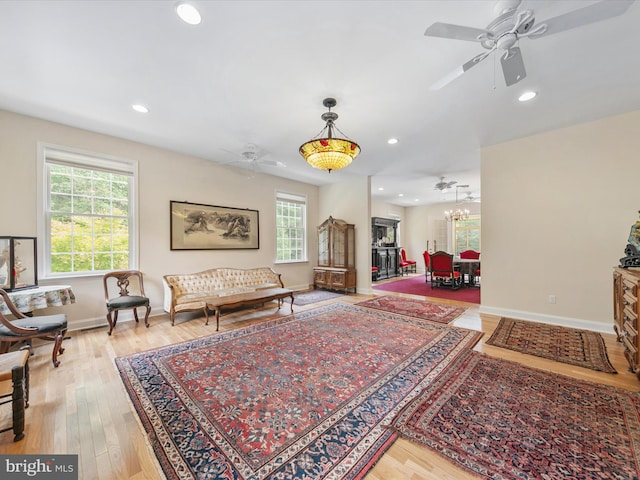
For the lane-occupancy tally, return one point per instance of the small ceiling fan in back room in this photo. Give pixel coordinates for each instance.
(510, 25)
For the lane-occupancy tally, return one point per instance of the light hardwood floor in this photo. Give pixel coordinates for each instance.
(82, 407)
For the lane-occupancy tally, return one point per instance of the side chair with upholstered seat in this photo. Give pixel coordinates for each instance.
(24, 328)
(124, 300)
(472, 255)
(410, 265)
(442, 271)
(427, 265)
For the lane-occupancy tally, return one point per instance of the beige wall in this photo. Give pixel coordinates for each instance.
(349, 201)
(556, 213)
(163, 176)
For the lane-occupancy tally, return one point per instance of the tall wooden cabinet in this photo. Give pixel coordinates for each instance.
(336, 268)
(384, 247)
(626, 310)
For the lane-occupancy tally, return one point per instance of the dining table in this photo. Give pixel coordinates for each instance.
(467, 268)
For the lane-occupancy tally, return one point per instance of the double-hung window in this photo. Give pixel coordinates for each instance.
(467, 234)
(291, 228)
(88, 221)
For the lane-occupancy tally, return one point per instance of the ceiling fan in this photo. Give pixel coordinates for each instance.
(444, 186)
(510, 25)
(470, 198)
(252, 158)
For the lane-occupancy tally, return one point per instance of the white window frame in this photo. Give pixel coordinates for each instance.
(54, 154)
(302, 200)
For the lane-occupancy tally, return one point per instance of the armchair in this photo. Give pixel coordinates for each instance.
(48, 327)
(442, 272)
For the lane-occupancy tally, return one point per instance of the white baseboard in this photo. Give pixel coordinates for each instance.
(125, 316)
(550, 319)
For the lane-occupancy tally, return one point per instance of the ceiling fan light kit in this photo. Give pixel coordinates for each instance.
(329, 152)
(510, 25)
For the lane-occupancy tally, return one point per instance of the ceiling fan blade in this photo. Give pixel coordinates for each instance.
(450, 77)
(457, 32)
(271, 163)
(513, 66)
(596, 12)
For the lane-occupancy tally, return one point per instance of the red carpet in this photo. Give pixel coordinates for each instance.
(417, 286)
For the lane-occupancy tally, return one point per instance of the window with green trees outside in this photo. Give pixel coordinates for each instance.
(88, 216)
(291, 227)
(467, 234)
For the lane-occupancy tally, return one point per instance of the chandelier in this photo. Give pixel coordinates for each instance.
(327, 152)
(457, 214)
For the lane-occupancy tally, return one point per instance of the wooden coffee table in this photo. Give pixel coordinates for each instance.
(248, 298)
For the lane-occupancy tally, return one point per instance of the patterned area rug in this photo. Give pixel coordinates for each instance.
(501, 420)
(582, 348)
(305, 396)
(435, 312)
(312, 296)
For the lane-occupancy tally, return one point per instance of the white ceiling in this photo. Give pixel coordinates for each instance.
(257, 72)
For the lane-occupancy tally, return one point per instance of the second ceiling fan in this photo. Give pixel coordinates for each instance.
(504, 32)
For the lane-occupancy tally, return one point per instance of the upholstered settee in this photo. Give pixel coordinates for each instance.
(190, 291)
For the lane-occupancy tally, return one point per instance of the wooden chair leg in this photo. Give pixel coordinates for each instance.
(18, 402)
(111, 322)
(135, 314)
(56, 348)
(146, 316)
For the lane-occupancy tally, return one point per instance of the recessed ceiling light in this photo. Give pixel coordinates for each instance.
(140, 108)
(401, 194)
(380, 188)
(392, 141)
(188, 14)
(527, 96)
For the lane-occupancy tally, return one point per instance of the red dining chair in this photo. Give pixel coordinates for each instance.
(472, 255)
(442, 272)
(427, 262)
(410, 265)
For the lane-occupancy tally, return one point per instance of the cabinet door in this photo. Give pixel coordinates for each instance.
(339, 279)
(320, 277)
(338, 247)
(323, 247)
(393, 262)
(383, 261)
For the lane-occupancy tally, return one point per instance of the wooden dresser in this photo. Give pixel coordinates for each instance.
(626, 309)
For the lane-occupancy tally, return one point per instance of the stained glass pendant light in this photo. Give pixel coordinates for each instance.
(328, 152)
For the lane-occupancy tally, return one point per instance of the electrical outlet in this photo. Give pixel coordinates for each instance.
(552, 299)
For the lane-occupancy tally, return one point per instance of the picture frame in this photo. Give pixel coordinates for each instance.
(197, 226)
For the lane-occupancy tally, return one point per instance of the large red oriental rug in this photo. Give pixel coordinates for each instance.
(306, 396)
(502, 420)
(434, 312)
